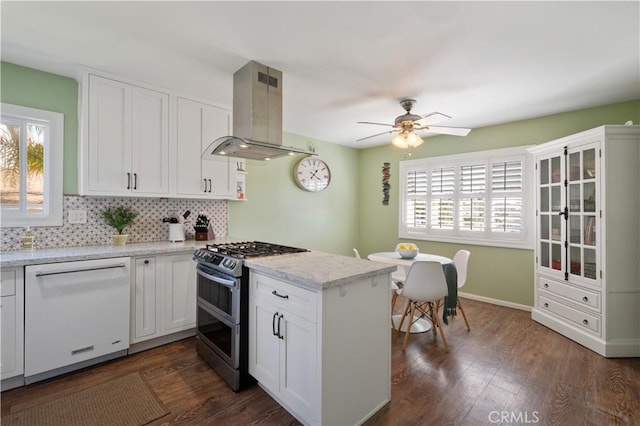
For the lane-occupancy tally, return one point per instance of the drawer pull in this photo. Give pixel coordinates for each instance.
(282, 296)
(585, 322)
(546, 305)
(546, 285)
(585, 299)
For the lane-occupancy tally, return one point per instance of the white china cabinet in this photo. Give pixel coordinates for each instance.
(124, 150)
(587, 253)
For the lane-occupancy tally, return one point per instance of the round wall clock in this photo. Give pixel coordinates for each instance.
(312, 174)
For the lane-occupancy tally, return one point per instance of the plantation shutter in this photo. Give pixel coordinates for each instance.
(472, 197)
(507, 196)
(442, 192)
(416, 203)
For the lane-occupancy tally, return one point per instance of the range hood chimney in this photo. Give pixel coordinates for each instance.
(257, 117)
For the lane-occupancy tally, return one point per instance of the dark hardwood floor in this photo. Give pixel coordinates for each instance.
(507, 370)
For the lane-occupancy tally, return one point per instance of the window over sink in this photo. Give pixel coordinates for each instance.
(31, 162)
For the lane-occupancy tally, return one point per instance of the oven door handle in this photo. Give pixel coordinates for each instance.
(215, 278)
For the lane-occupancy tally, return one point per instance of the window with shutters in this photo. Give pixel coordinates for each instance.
(479, 198)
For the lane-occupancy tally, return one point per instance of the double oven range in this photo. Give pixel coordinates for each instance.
(222, 317)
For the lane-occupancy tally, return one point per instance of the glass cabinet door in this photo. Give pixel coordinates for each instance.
(583, 208)
(551, 204)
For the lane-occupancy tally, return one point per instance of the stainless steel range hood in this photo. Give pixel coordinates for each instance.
(257, 117)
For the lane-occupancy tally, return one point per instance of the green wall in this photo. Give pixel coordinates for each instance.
(350, 212)
(38, 89)
(500, 273)
(276, 209)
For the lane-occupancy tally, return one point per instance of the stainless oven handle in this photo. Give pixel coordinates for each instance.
(214, 278)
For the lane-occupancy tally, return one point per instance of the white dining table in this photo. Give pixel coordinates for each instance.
(421, 325)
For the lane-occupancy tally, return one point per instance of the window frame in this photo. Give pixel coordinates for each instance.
(486, 237)
(53, 167)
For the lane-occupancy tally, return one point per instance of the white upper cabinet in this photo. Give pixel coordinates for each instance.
(140, 141)
(125, 144)
(197, 125)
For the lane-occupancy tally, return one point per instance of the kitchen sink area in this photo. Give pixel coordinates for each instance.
(106, 302)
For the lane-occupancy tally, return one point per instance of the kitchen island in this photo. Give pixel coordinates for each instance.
(319, 335)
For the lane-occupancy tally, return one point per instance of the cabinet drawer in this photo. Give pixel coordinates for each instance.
(296, 300)
(585, 321)
(8, 283)
(577, 295)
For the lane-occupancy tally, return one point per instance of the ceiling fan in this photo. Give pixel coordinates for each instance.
(407, 124)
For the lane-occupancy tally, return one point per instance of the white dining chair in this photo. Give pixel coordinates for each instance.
(424, 286)
(461, 260)
(397, 281)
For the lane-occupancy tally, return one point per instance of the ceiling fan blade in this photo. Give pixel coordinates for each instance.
(432, 117)
(377, 134)
(454, 131)
(377, 124)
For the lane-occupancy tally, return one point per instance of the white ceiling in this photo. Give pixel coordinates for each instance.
(482, 63)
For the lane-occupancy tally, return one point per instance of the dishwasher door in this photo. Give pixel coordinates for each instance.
(74, 312)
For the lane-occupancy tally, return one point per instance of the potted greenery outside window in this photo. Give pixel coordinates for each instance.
(119, 217)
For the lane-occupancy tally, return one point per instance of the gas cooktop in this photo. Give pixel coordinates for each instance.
(247, 249)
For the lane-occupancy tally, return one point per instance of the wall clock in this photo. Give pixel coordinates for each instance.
(312, 174)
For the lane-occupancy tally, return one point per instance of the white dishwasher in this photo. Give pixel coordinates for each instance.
(76, 314)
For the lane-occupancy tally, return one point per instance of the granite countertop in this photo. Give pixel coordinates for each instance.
(317, 270)
(68, 254)
(313, 270)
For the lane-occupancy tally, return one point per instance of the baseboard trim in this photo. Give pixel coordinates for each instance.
(496, 301)
(160, 341)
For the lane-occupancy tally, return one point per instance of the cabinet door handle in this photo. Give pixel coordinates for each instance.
(546, 305)
(205, 185)
(282, 296)
(546, 285)
(585, 322)
(135, 181)
(279, 333)
(585, 299)
(565, 213)
(128, 180)
(210, 185)
(146, 262)
(273, 324)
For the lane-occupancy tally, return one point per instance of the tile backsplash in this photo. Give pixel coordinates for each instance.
(148, 225)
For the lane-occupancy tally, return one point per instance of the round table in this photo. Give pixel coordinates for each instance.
(421, 325)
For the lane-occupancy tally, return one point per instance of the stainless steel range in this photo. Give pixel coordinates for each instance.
(223, 306)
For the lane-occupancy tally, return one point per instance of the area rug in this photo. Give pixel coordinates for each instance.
(125, 401)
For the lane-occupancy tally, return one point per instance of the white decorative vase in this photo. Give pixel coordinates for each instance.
(120, 239)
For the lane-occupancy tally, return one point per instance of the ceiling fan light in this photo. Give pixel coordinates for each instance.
(407, 139)
(400, 141)
(414, 140)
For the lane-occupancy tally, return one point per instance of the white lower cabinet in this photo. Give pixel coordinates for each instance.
(306, 348)
(12, 325)
(284, 356)
(163, 299)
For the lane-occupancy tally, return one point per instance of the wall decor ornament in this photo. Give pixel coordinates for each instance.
(385, 183)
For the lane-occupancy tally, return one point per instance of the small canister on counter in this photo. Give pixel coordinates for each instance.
(176, 232)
